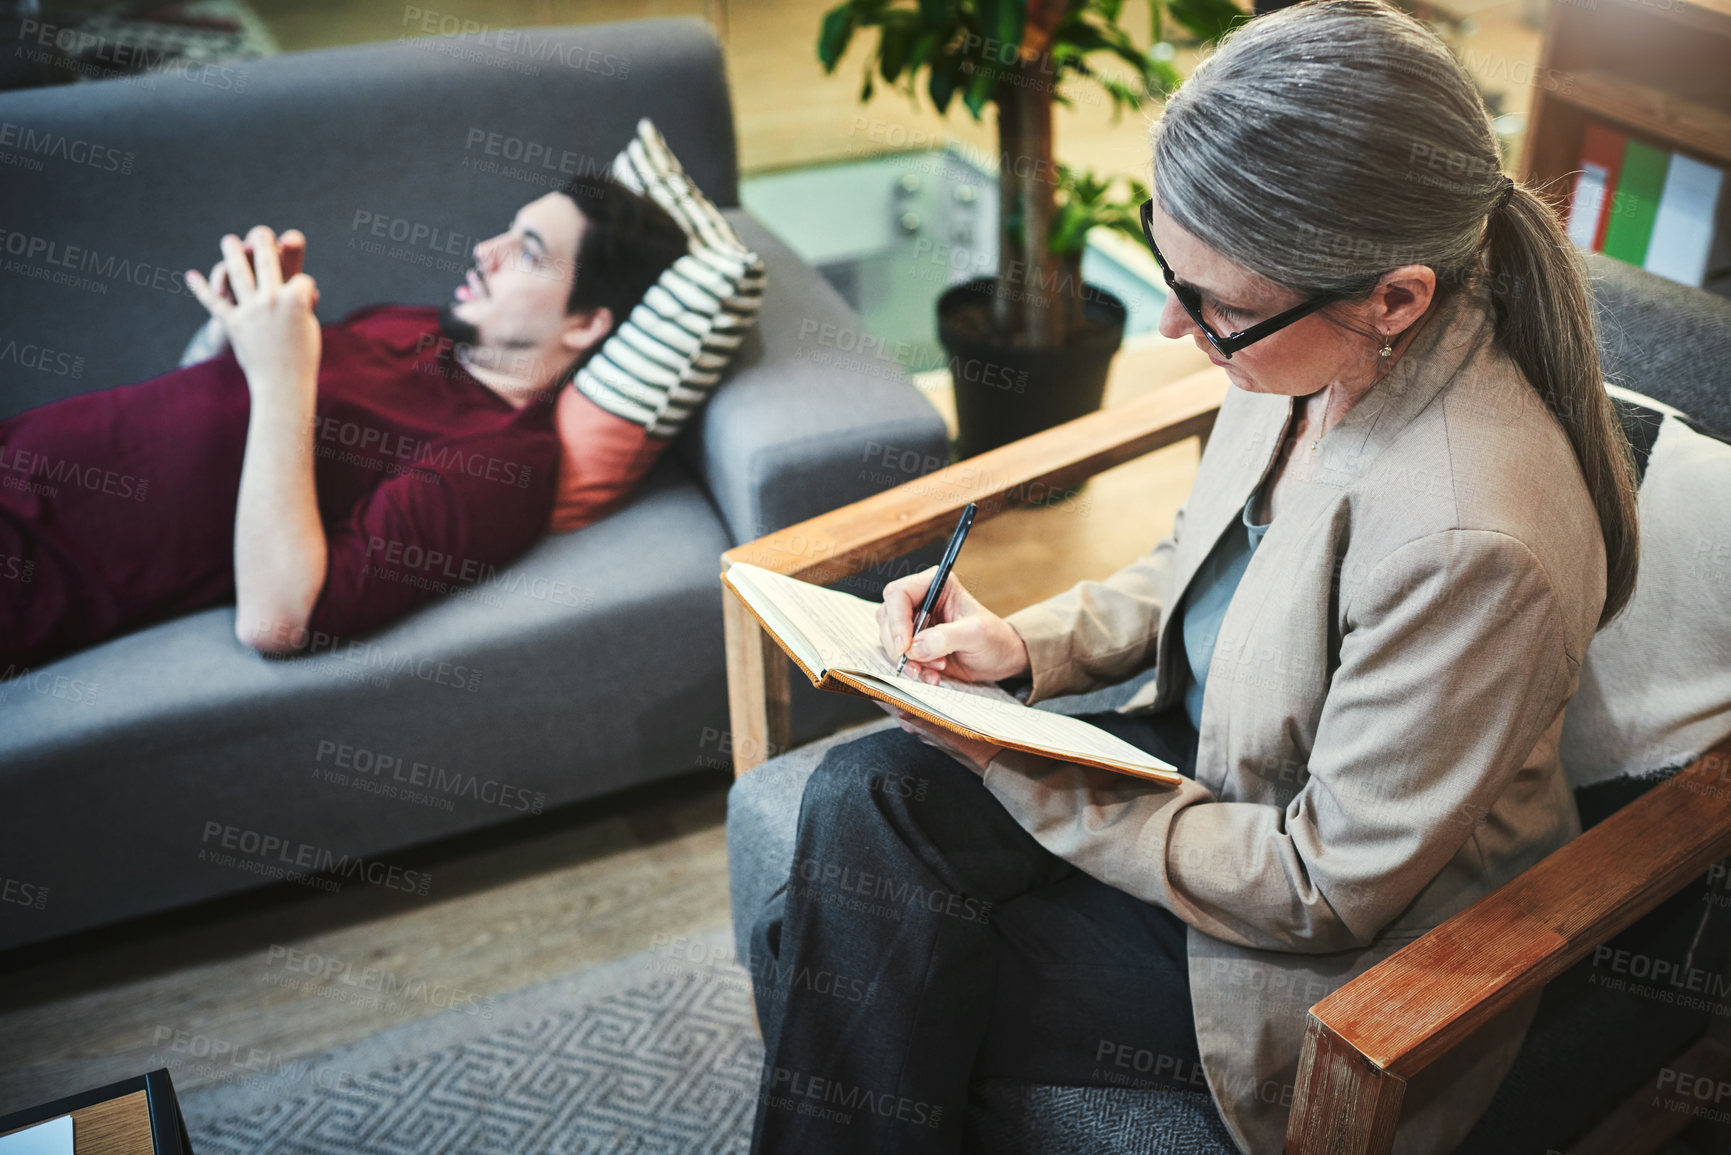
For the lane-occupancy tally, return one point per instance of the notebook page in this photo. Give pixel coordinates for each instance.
(991, 710)
(841, 627)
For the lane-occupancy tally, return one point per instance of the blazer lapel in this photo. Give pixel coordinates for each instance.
(1450, 339)
(1247, 447)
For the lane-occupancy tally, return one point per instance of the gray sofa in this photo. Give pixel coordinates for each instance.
(136, 775)
(1584, 1052)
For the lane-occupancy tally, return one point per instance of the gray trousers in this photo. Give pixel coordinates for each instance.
(924, 941)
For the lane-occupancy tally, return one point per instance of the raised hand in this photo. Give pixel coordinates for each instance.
(266, 307)
(291, 255)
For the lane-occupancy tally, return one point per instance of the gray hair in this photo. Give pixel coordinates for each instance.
(1325, 144)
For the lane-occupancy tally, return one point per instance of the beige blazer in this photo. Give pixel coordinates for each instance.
(1378, 746)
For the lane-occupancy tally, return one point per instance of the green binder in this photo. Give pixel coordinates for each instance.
(1636, 202)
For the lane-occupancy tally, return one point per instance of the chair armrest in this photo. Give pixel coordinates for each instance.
(1367, 1039)
(868, 532)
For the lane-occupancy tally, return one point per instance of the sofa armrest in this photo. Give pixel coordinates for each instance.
(846, 540)
(1367, 1039)
(804, 421)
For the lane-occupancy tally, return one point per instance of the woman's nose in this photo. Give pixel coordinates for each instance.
(1175, 320)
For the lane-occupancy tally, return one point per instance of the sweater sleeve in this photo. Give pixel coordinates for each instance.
(1450, 672)
(472, 504)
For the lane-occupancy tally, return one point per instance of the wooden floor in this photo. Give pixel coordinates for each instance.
(596, 883)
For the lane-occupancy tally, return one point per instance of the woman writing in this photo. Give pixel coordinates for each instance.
(1415, 510)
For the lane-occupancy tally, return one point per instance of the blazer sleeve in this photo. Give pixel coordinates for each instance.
(1451, 668)
(1099, 633)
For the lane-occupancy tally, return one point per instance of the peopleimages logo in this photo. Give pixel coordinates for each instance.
(42, 359)
(301, 858)
(58, 146)
(45, 258)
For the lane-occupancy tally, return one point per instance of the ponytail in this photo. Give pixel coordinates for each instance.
(1542, 305)
(1339, 192)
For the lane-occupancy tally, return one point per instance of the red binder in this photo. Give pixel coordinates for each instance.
(1604, 146)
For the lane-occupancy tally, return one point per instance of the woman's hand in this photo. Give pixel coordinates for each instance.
(969, 752)
(961, 638)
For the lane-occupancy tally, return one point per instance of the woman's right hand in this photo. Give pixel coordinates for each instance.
(961, 638)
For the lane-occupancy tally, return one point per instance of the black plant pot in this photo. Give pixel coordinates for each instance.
(1006, 392)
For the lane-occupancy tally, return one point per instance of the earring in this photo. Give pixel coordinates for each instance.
(1387, 349)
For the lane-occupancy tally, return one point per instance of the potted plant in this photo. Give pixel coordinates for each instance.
(1035, 323)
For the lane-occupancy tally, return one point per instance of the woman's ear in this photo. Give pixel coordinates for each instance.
(585, 329)
(1401, 298)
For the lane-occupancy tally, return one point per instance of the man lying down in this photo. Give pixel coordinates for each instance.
(276, 467)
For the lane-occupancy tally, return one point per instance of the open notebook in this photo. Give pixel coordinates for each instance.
(833, 637)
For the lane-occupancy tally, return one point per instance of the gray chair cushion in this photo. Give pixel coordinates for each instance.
(1008, 1117)
(1666, 340)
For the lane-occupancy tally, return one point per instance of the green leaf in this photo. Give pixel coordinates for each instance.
(921, 53)
(1002, 20)
(980, 90)
(1069, 230)
(1208, 19)
(833, 37)
(893, 44)
(935, 13)
(944, 82)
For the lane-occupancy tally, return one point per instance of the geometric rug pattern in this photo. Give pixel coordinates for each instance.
(670, 1065)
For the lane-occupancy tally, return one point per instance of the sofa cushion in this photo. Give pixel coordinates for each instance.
(143, 741)
(663, 361)
(1655, 690)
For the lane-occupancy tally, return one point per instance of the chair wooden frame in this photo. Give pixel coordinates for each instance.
(1364, 1042)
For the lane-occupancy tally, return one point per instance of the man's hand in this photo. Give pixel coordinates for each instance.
(270, 322)
(280, 553)
(961, 638)
(291, 251)
(970, 752)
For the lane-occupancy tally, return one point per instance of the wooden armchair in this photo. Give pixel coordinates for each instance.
(1367, 1039)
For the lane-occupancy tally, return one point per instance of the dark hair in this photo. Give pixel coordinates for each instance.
(1281, 152)
(627, 242)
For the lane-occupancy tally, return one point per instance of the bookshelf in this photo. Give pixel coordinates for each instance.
(1658, 70)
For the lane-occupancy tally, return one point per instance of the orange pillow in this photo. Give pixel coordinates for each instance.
(603, 458)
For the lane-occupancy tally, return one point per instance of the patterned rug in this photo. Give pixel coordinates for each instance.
(648, 1055)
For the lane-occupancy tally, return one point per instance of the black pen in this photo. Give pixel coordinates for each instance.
(950, 552)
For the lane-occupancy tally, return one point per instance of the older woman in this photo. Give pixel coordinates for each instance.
(1414, 512)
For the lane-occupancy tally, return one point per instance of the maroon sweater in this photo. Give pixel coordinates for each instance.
(117, 508)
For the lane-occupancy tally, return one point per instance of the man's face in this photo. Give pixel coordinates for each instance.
(514, 298)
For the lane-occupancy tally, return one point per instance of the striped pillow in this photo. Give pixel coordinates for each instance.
(661, 363)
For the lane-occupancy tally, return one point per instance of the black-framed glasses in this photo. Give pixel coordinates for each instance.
(1192, 302)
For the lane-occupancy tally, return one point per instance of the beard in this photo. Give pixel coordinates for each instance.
(458, 330)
